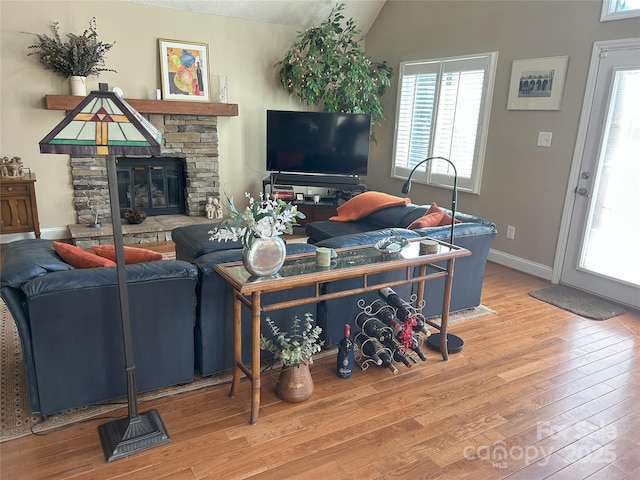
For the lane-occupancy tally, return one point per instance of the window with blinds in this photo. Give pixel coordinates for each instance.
(443, 110)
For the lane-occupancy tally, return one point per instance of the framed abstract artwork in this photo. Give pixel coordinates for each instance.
(537, 83)
(184, 68)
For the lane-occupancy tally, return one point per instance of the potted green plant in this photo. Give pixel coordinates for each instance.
(79, 56)
(295, 351)
(328, 67)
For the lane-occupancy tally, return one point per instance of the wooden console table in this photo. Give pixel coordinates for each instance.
(301, 270)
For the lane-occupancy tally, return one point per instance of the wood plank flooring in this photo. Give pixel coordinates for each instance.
(536, 393)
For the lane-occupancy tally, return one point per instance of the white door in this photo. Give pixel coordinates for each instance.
(602, 253)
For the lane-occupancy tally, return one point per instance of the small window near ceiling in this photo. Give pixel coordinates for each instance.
(619, 9)
(443, 110)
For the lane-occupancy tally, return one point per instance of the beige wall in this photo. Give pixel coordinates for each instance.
(244, 51)
(523, 185)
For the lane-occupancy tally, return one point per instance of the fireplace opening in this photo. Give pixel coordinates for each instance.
(155, 185)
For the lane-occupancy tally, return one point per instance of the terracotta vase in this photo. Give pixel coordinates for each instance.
(295, 383)
(265, 256)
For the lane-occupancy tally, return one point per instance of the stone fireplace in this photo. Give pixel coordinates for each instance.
(192, 138)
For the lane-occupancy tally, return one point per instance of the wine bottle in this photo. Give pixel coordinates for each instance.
(415, 346)
(383, 311)
(403, 312)
(344, 366)
(368, 349)
(393, 299)
(396, 352)
(372, 327)
(384, 356)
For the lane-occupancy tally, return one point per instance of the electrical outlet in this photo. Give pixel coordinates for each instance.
(511, 232)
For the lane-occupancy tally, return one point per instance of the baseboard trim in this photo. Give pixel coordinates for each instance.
(520, 264)
(57, 233)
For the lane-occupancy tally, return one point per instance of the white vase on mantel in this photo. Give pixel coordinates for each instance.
(78, 86)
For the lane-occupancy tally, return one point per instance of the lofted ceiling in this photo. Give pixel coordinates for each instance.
(298, 13)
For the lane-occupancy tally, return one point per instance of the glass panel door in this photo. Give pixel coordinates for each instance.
(601, 255)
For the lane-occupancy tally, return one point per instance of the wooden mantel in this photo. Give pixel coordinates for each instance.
(69, 102)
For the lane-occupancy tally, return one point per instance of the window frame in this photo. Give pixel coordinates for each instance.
(438, 173)
(609, 12)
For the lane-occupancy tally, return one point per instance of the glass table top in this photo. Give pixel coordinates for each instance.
(347, 258)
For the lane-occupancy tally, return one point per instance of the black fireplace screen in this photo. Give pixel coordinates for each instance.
(155, 185)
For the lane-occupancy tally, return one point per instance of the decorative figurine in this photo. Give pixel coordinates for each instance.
(218, 208)
(11, 167)
(213, 208)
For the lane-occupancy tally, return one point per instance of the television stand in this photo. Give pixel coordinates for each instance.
(301, 190)
(327, 181)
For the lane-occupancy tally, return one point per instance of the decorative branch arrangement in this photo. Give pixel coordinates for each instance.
(297, 346)
(81, 55)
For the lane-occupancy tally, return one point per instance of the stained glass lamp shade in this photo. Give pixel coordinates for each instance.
(105, 124)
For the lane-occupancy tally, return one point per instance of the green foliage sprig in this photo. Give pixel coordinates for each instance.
(81, 55)
(327, 67)
(296, 347)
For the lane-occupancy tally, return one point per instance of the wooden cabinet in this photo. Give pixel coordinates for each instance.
(18, 208)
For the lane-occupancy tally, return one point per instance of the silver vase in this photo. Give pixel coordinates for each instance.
(265, 256)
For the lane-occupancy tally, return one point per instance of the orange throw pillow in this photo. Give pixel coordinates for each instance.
(446, 218)
(131, 254)
(365, 204)
(427, 220)
(79, 258)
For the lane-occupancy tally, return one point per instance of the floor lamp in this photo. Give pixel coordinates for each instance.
(454, 343)
(104, 124)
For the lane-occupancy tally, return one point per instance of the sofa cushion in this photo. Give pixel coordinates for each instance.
(446, 218)
(365, 204)
(323, 229)
(80, 258)
(192, 241)
(131, 254)
(26, 259)
(398, 216)
(366, 238)
(429, 220)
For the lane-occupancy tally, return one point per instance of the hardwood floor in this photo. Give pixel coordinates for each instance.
(536, 393)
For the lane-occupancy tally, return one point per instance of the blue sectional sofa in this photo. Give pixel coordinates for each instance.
(70, 331)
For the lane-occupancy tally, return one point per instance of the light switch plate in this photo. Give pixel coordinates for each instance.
(544, 139)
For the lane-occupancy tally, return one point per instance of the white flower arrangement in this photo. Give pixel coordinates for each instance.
(266, 218)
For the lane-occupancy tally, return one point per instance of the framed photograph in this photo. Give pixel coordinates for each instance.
(537, 83)
(184, 68)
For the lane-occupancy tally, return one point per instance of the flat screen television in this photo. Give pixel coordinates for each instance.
(318, 142)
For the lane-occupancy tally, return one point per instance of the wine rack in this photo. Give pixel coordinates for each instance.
(386, 340)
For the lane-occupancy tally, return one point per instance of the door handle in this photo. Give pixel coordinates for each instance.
(583, 192)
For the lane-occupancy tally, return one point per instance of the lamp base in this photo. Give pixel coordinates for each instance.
(128, 436)
(454, 343)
